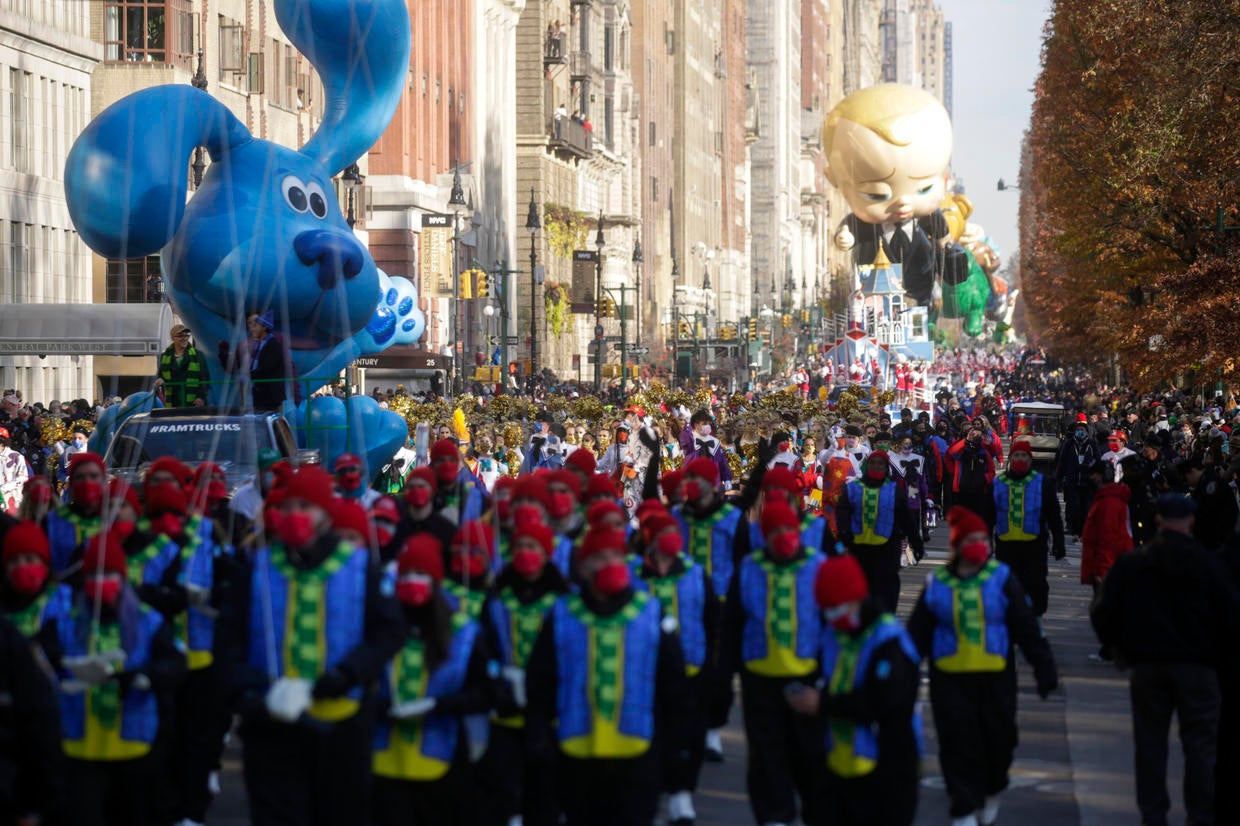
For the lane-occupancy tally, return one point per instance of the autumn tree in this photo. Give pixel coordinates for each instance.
(1130, 152)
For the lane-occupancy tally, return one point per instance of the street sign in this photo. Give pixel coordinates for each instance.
(598, 330)
(632, 349)
(511, 340)
(494, 340)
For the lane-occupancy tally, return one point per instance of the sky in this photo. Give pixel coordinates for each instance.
(996, 46)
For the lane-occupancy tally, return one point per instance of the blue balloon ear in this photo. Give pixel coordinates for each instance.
(126, 176)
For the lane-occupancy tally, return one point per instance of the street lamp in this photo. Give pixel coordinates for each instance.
(199, 82)
(457, 206)
(599, 242)
(637, 266)
(1004, 186)
(532, 226)
(353, 180)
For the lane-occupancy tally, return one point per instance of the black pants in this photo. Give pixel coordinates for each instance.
(1076, 501)
(609, 792)
(199, 722)
(421, 803)
(677, 773)
(109, 792)
(881, 565)
(1028, 561)
(1226, 789)
(981, 502)
(515, 782)
(1191, 692)
(786, 757)
(308, 775)
(975, 721)
(883, 798)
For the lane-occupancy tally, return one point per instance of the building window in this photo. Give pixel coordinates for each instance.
(19, 264)
(135, 281)
(609, 48)
(653, 138)
(19, 107)
(148, 31)
(654, 189)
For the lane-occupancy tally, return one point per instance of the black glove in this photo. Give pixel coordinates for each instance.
(331, 683)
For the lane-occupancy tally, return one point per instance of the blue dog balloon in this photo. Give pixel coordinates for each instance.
(261, 232)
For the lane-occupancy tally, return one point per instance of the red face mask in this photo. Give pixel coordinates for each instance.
(875, 474)
(296, 530)
(1115, 445)
(784, 546)
(28, 579)
(217, 491)
(168, 524)
(123, 528)
(350, 479)
(669, 543)
(611, 579)
(40, 495)
(622, 436)
(528, 563)
(446, 472)
(418, 496)
(975, 553)
(693, 490)
(464, 564)
(1020, 466)
(384, 531)
(523, 516)
(503, 509)
(561, 505)
(415, 592)
(102, 591)
(87, 494)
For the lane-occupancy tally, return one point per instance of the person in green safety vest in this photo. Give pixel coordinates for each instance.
(866, 698)
(605, 682)
(420, 759)
(516, 784)
(1026, 516)
(965, 622)
(305, 630)
(770, 635)
(183, 374)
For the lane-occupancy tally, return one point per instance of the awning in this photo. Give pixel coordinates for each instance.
(84, 329)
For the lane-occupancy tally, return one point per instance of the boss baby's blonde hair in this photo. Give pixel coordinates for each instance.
(890, 110)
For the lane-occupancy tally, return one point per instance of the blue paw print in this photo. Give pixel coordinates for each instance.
(397, 319)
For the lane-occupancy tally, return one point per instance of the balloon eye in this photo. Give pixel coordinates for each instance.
(295, 193)
(318, 201)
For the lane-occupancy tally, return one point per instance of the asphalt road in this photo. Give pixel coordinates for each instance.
(1073, 765)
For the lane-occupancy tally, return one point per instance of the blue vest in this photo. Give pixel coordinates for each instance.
(99, 723)
(606, 668)
(852, 748)
(684, 598)
(422, 749)
(718, 562)
(195, 628)
(1018, 507)
(878, 529)
(782, 620)
(65, 531)
(341, 618)
(813, 532)
(970, 630)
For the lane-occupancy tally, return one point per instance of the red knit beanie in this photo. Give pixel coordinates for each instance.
(26, 538)
(503, 483)
(600, 510)
(600, 540)
(314, 485)
(671, 482)
(542, 534)
(775, 515)
(165, 498)
(568, 479)
(600, 485)
(78, 460)
(704, 469)
(173, 465)
(533, 488)
(657, 523)
(583, 460)
(425, 474)
(964, 522)
(647, 509)
(781, 478)
(104, 553)
(120, 489)
(475, 534)
(422, 553)
(840, 580)
(1021, 445)
(350, 516)
(444, 448)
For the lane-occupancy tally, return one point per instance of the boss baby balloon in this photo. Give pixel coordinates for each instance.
(888, 148)
(263, 231)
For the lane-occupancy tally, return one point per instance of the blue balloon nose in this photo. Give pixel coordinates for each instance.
(336, 253)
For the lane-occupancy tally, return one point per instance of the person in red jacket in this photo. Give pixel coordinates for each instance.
(1107, 535)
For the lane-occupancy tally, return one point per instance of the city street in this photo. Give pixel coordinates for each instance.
(1073, 765)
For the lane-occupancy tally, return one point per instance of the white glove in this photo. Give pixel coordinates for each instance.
(197, 595)
(288, 699)
(140, 682)
(89, 670)
(516, 678)
(413, 708)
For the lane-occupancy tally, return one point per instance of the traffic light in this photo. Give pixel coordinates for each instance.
(786, 321)
(482, 290)
(609, 307)
(684, 330)
(805, 316)
(728, 332)
(465, 287)
(753, 329)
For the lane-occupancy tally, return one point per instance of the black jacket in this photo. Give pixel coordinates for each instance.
(1170, 600)
(30, 754)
